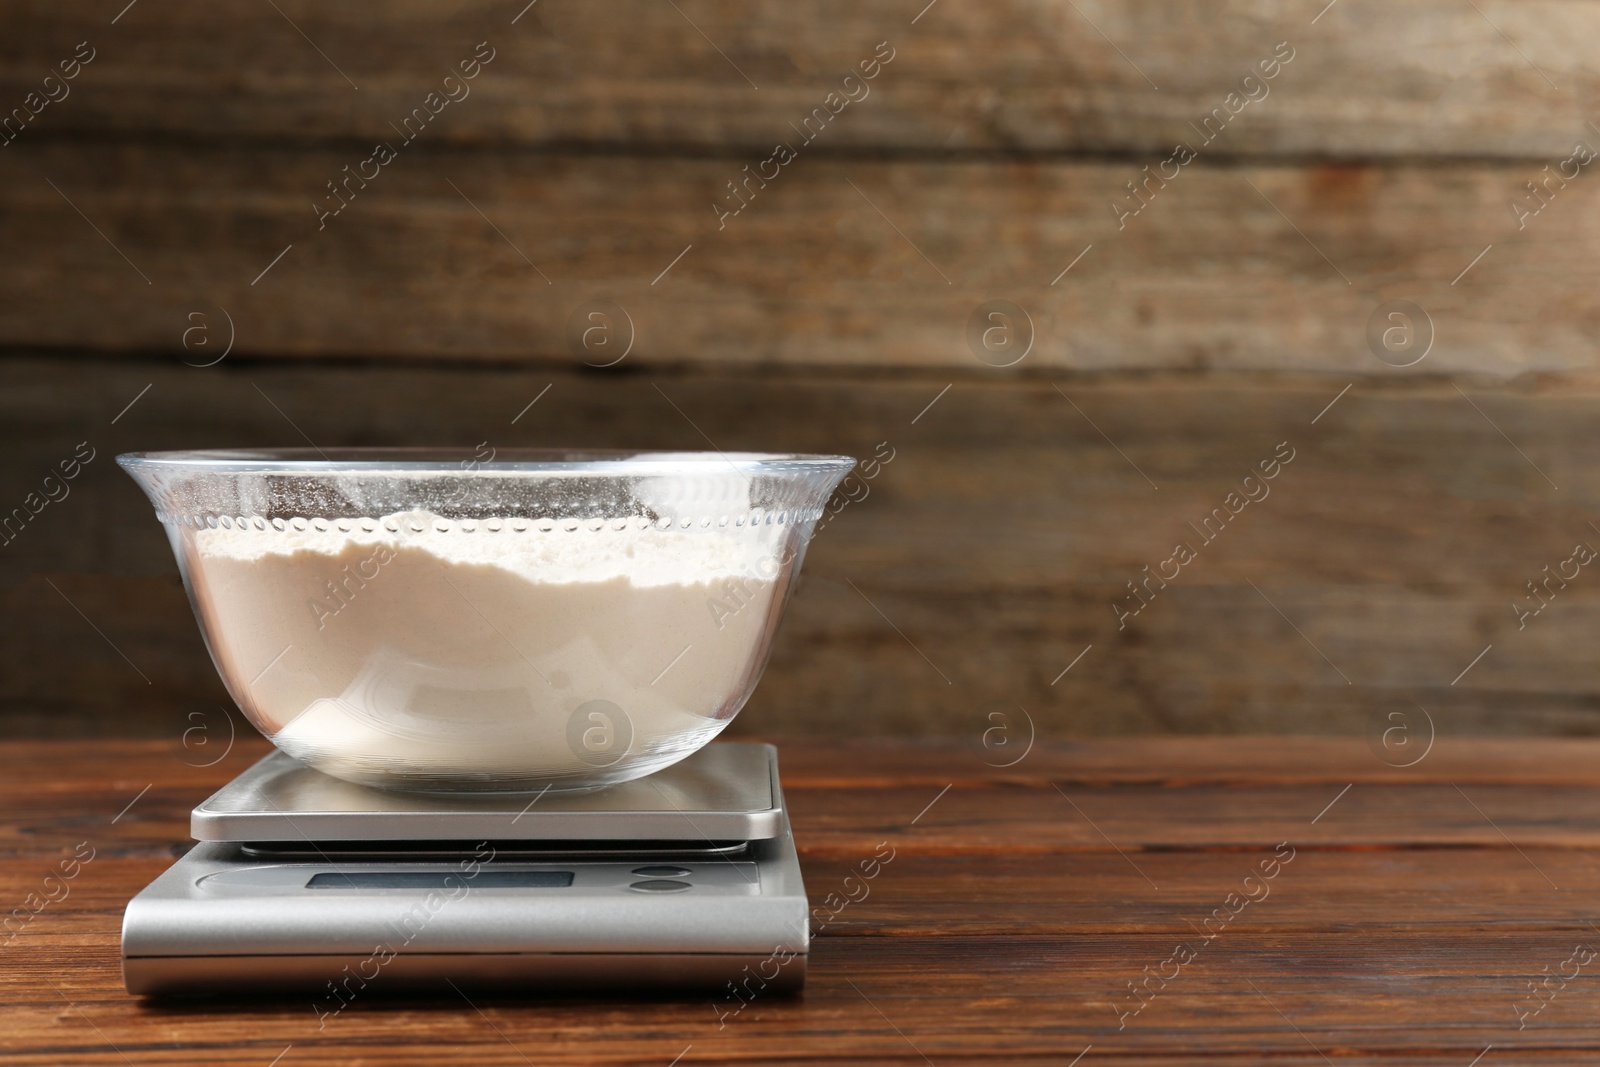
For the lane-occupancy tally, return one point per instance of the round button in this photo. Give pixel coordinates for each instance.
(659, 885)
(660, 872)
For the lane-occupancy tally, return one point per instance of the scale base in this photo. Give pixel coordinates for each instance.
(331, 920)
(433, 974)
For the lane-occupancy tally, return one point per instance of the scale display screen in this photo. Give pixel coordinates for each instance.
(440, 880)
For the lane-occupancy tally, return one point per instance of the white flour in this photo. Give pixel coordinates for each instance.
(456, 658)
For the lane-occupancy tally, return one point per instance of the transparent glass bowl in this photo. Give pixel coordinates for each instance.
(432, 621)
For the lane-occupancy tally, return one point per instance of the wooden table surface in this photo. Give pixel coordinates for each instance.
(1283, 900)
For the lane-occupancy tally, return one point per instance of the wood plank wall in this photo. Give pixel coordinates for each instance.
(173, 202)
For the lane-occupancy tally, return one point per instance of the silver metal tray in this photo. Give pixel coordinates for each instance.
(727, 791)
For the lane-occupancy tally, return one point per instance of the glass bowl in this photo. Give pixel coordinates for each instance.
(419, 620)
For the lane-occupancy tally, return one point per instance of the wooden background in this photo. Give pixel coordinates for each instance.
(172, 190)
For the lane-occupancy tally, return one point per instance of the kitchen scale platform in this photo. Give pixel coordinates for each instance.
(683, 880)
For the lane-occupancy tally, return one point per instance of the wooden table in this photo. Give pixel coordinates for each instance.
(1287, 900)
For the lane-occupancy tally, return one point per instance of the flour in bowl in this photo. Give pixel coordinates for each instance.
(412, 650)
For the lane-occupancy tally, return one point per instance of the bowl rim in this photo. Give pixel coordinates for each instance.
(460, 461)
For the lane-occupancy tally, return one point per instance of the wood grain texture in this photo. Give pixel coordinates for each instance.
(173, 199)
(1387, 937)
(985, 560)
(1161, 821)
(494, 256)
(1369, 78)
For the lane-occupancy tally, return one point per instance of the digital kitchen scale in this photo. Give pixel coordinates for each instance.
(683, 880)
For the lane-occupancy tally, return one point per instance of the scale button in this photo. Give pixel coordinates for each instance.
(659, 885)
(660, 872)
